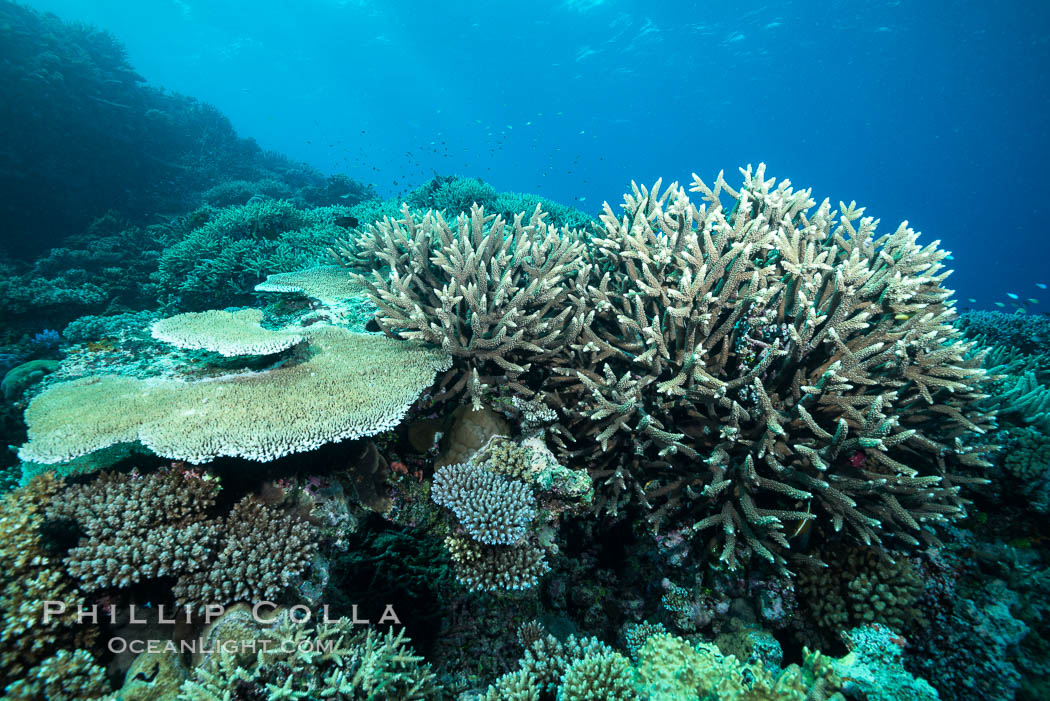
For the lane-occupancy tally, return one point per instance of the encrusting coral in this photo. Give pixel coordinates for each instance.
(344, 385)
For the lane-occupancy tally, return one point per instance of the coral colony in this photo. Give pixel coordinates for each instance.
(725, 441)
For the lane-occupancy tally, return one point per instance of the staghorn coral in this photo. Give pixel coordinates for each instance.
(331, 660)
(493, 509)
(343, 385)
(138, 527)
(263, 551)
(29, 576)
(755, 367)
(497, 298)
(229, 334)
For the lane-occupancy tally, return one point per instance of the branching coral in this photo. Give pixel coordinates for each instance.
(263, 552)
(493, 509)
(138, 527)
(864, 586)
(754, 368)
(665, 667)
(65, 676)
(30, 576)
(331, 660)
(497, 298)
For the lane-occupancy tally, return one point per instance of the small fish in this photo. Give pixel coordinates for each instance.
(1041, 285)
(949, 257)
(902, 317)
(1030, 300)
(1011, 295)
(999, 304)
(971, 300)
(347, 222)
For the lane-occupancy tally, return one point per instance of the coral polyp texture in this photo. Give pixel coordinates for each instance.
(138, 527)
(229, 334)
(497, 297)
(344, 385)
(754, 363)
(326, 283)
(493, 509)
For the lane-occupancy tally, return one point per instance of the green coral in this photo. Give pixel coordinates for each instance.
(1028, 454)
(21, 377)
(873, 669)
(332, 660)
(219, 261)
(666, 667)
(68, 675)
(863, 586)
(604, 676)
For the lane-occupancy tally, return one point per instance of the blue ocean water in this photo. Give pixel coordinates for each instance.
(930, 112)
(640, 459)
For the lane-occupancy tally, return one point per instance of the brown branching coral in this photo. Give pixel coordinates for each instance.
(264, 550)
(29, 577)
(496, 297)
(138, 527)
(752, 368)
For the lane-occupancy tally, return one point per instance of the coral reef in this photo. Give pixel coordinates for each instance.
(665, 667)
(872, 670)
(328, 395)
(227, 333)
(331, 660)
(263, 552)
(496, 298)
(863, 586)
(327, 283)
(21, 377)
(138, 527)
(65, 676)
(29, 576)
(494, 510)
(754, 368)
